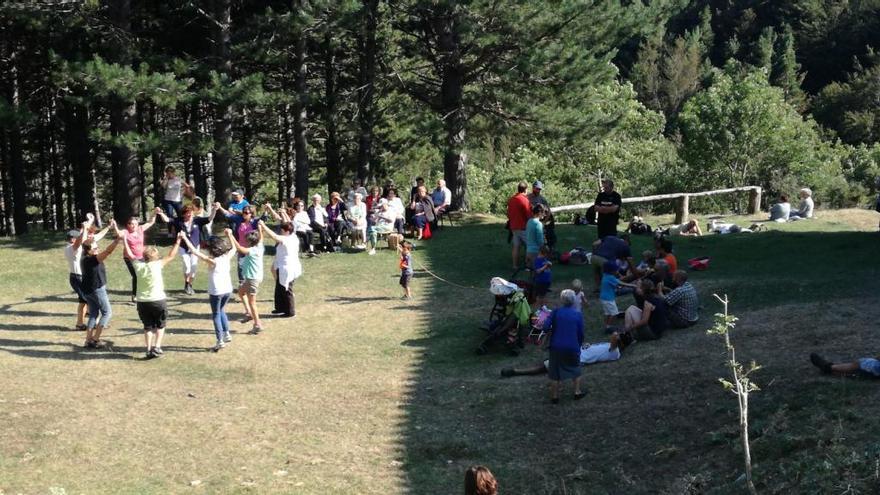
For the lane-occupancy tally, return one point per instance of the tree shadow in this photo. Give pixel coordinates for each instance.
(355, 300)
(651, 419)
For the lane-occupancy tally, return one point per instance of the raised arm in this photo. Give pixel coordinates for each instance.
(173, 252)
(109, 250)
(152, 221)
(275, 215)
(263, 227)
(221, 209)
(161, 214)
(234, 242)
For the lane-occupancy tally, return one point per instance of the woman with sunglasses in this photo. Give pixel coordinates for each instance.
(241, 225)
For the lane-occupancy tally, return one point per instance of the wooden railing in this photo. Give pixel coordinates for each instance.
(681, 209)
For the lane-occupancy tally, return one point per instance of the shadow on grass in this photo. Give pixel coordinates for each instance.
(655, 421)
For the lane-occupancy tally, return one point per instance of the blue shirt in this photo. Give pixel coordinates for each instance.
(567, 330)
(194, 232)
(238, 206)
(607, 287)
(612, 248)
(534, 236)
(544, 277)
(406, 264)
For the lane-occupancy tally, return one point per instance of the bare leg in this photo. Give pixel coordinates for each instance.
(554, 390)
(148, 339)
(82, 312)
(633, 315)
(515, 255)
(252, 302)
(242, 294)
(159, 334)
(538, 369)
(577, 386)
(845, 368)
(96, 336)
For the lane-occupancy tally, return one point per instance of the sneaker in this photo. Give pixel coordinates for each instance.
(227, 338)
(157, 351)
(99, 344)
(90, 345)
(372, 251)
(189, 289)
(149, 354)
(256, 330)
(820, 363)
(218, 346)
(507, 372)
(246, 319)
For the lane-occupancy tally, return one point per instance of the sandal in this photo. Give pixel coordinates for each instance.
(580, 396)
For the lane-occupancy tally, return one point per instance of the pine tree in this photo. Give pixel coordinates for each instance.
(786, 71)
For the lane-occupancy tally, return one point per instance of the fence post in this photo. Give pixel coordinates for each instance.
(681, 211)
(754, 200)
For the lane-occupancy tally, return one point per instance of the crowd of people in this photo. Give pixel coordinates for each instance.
(357, 218)
(663, 298)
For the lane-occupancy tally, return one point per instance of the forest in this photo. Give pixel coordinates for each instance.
(287, 98)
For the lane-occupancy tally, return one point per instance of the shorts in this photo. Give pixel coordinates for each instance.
(153, 314)
(563, 365)
(405, 279)
(519, 237)
(870, 366)
(76, 284)
(250, 285)
(597, 261)
(609, 308)
(541, 289)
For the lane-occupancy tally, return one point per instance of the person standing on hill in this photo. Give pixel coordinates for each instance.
(607, 204)
(518, 213)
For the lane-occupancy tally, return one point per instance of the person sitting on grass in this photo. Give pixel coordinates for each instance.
(590, 354)
(684, 306)
(219, 285)
(651, 320)
(478, 480)
(252, 271)
(94, 287)
(565, 337)
(664, 252)
(543, 275)
(608, 293)
(534, 235)
(73, 254)
(287, 266)
(805, 208)
(866, 367)
(151, 306)
(780, 211)
(406, 268)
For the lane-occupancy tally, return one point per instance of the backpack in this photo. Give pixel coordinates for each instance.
(640, 228)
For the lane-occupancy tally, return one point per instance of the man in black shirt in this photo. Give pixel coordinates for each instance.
(607, 209)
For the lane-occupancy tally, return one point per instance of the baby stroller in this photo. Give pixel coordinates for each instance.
(539, 324)
(510, 312)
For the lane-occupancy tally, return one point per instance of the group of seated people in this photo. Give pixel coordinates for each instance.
(782, 212)
(361, 216)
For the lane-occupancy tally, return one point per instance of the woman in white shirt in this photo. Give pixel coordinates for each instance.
(357, 212)
(219, 284)
(396, 206)
(288, 267)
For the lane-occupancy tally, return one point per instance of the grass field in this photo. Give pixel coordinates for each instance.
(364, 393)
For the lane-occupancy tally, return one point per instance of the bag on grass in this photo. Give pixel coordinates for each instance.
(699, 264)
(426, 232)
(394, 241)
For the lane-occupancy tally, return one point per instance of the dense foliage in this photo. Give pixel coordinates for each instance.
(281, 98)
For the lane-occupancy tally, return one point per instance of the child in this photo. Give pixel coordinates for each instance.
(664, 252)
(219, 285)
(543, 276)
(580, 299)
(151, 306)
(608, 293)
(252, 270)
(534, 235)
(406, 270)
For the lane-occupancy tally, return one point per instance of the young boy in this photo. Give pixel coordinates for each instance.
(252, 271)
(406, 270)
(608, 293)
(580, 299)
(543, 275)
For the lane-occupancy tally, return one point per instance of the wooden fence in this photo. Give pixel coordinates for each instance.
(683, 201)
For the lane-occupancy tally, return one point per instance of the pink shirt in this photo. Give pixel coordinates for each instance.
(135, 241)
(244, 228)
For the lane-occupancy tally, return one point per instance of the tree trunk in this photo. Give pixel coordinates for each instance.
(16, 160)
(57, 182)
(200, 178)
(244, 143)
(6, 227)
(331, 144)
(452, 108)
(300, 70)
(77, 149)
(288, 153)
(222, 110)
(157, 157)
(141, 161)
(45, 177)
(367, 86)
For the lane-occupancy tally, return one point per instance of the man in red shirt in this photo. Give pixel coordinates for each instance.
(519, 212)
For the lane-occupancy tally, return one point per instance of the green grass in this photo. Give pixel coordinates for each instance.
(364, 393)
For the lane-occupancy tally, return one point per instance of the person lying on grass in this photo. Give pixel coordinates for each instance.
(565, 337)
(73, 253)
(150, 298)
(589, 354)
(94, 287)
(868, 367)
(252, 271)
(219, 284)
